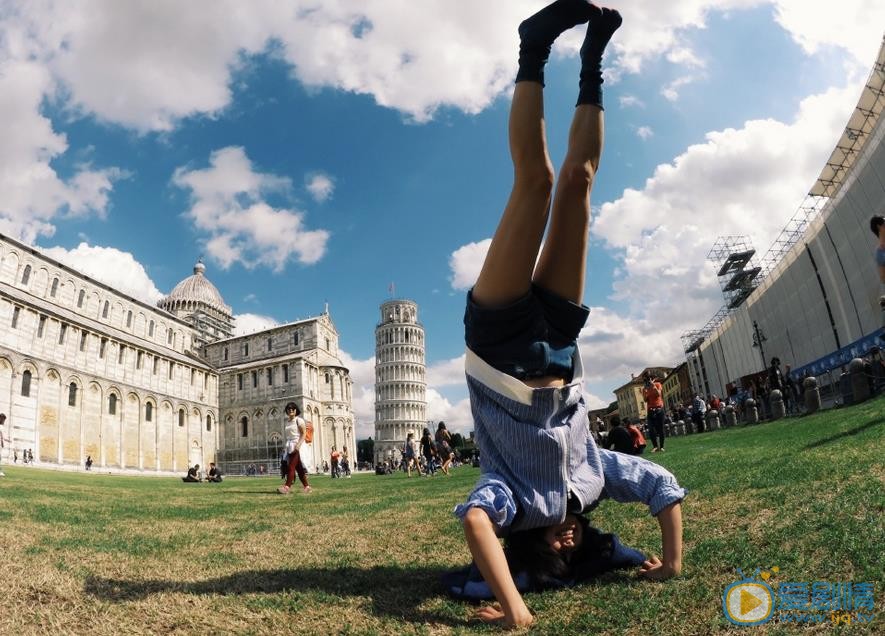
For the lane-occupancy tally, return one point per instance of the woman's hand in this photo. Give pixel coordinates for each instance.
(656, 570)
(494, 614)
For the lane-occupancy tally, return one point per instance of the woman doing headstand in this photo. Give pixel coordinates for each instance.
(540, 466)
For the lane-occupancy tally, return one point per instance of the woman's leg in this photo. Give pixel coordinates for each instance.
(299, 468)
(562, 264)
(290, 475)
(507, 272)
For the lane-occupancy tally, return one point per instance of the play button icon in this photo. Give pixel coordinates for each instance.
(748, 603)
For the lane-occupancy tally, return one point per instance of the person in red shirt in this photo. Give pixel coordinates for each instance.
(653, 394)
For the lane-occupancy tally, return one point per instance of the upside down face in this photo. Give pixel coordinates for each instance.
(565, 537)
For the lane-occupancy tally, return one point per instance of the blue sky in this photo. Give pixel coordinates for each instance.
(318, 152)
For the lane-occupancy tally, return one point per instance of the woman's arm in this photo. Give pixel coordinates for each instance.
(489, 556)
(670, 520)
(300, 423)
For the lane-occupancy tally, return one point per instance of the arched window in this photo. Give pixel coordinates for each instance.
(181, 417)
(80, 297)
(112, 404)
(104, 311)
(151, 329)
(26, 384)
(148, 412)
(72, 394)
(54, 288)
(26, 275)
(209, 423)
(129, 319)
(245, 424)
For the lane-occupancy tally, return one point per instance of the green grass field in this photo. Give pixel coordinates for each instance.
(92, 553)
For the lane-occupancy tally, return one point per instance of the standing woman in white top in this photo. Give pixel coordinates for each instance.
(294, 439)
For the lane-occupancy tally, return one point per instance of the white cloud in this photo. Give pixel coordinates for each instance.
(644, 132)
(746, 181)
(227, 204)
(320, 186)
(854, 25)
(671, 90)
(32, 194)
(684, 56)
(457, 416)
(110, 266)
(252, 323)
(630, 101)
(466, 263)
(446, 373)
(139, 64)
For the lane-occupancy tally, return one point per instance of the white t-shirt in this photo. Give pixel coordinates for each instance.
(293, 434)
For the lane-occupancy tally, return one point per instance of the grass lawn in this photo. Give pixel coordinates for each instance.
(108, 554)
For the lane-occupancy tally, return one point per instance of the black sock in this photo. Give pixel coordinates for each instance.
(603, 23)
(537, 33)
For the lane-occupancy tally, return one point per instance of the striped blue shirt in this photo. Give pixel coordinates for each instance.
(536, 450)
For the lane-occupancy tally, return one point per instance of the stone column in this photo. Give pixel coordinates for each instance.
(751, 413)
(812, 395)
(730, 416)
(778, 409)
(712, 420)
(860, 386)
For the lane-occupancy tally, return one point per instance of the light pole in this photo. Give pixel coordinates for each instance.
(758, 339)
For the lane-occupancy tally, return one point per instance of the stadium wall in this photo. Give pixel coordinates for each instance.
(819, 306)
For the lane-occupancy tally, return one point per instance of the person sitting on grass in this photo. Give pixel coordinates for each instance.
(214, 474)
(540, 468)
(193, 474)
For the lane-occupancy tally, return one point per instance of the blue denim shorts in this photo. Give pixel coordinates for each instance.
(533, 337)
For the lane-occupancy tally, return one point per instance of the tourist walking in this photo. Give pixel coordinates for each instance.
(444, 447)
(410, 454)
(428, 450)
(294, 427)
(540, 467)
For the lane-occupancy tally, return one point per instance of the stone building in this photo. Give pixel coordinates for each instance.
(261, 372)
(197, 302)
(400, 382)
(677, 387)
(86, 370)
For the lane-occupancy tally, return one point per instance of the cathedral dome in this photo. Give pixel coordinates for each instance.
(196, 289)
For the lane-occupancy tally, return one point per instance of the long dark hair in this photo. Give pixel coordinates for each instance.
(528, 551)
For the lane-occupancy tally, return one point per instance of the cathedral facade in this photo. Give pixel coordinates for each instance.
(88, 371)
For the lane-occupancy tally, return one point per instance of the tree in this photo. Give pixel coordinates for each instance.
(457, 440)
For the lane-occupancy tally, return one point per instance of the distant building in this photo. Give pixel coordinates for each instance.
(630, 402)
(261, 372)
(677, 387)
(86, 370)
(400, 382)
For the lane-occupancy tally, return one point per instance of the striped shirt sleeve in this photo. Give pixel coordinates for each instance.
(492, 495)
(632, 479)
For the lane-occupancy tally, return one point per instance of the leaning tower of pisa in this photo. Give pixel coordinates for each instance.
(400, 385)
